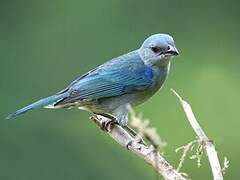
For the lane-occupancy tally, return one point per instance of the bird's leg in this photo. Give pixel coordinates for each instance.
(122, 117)
(108, 122)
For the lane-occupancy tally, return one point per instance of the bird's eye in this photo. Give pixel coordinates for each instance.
(168, 48)
(155, 49)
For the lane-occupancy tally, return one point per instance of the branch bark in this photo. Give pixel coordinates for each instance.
(202, 137)
(148, 153)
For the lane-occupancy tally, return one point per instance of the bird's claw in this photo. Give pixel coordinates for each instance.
(137, 139)
(105, 123)
(108, 124)
(140, 140)
(129, 144)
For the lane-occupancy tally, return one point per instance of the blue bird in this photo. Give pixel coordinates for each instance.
(126, 80)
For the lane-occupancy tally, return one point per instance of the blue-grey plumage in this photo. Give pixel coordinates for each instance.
(129, 79)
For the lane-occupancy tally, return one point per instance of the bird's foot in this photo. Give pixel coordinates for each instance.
(106, 122)
(137, 140)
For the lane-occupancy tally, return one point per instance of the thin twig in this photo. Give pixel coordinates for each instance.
(145, 152)
(185, 149)
(207, 144)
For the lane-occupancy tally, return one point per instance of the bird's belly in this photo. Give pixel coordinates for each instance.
(141, 97)
(108, 105)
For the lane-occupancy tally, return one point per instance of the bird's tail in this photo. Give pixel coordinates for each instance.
(38, 104)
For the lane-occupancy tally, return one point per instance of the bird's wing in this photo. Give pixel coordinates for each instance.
(125, 74)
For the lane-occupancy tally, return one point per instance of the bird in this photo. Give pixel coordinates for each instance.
(109, 89)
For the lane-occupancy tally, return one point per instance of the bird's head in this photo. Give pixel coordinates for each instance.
(158, 49)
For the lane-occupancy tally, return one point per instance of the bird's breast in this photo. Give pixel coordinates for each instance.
(160, 75)
(158, 79)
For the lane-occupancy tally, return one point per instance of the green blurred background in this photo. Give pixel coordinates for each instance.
(46, 44)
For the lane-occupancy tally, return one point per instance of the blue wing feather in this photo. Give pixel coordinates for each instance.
(119, 76)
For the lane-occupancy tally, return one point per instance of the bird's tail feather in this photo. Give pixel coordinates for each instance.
(38, 104)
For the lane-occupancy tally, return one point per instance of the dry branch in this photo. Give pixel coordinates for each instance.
(148, 153)
(202, 137)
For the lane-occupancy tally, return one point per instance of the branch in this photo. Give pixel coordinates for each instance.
(204, 140)
(148, 153)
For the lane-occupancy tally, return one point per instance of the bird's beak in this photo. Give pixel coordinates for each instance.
(173, 51)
